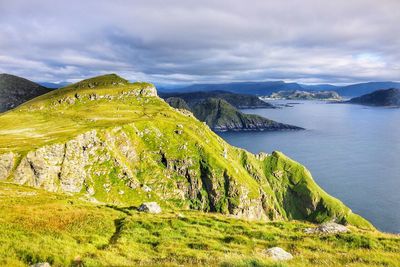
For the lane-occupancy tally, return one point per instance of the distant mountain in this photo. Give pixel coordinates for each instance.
(221, 116)
(319, 87)
(254, 88)
(15, 90)
(305, 95)
(54, 85)
(385, 98)
(269, 87)
(365, 88)
(239, 101)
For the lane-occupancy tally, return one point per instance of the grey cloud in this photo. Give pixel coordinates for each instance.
(202, 41)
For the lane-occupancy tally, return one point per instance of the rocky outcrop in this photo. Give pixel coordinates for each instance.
(327, 228)
(278, 254)
(7, 162)
(150, 207)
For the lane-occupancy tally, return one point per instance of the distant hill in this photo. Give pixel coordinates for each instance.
(54, 85)
(365, 88)
(254, 88)
(269, 87)
(305, 95)
(239, 101)
(15, 90)
(221, 116)
(384, 98)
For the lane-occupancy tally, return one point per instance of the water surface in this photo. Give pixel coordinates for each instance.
(352, 151)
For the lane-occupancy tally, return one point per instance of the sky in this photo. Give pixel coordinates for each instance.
(208, 41)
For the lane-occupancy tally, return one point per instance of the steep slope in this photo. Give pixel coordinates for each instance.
(222, 116)
(383, 98)
(112, 141)
(177, 102)
(240, 101)
(15, 90)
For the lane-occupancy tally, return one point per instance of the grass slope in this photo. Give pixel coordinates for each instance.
(38, 226)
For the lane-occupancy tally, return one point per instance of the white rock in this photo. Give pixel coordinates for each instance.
(41, 264)
(279, 254)
(150, 207)
(146, 188)
(327, 228)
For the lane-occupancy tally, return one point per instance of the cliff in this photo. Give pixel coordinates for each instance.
(111, 141)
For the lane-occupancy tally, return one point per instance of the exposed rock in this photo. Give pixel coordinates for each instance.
(327, 228)
(146, 188)
(41, 264)
(6, 165)
(41, 168)
(279, 254)
(150, 207)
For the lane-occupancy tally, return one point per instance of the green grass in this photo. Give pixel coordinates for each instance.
(164, 141)
(37, 226)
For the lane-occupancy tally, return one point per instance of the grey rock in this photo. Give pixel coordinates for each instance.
(6, 165)
(41, 264)
(150, 207)
(279, 254)
(327, 228)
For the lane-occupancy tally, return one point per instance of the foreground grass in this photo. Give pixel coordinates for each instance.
(37, 226)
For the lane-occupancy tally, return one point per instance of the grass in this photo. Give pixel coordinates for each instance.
(173, 154)
(37, 226)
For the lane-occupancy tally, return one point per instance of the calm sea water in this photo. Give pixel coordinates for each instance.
(352, 151)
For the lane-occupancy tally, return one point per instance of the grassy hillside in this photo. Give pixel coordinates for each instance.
(111, 141)
(97, 149)
(38, 226)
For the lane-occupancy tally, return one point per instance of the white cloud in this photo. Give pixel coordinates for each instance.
(202, 41)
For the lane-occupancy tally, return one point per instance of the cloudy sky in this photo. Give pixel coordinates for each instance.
(311, 41)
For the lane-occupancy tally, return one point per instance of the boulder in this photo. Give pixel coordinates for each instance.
(41, 264)
(150, 207)
(327, 228)
(279, 254)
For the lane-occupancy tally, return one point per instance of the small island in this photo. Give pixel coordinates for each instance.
(379, 98)
(303, 95)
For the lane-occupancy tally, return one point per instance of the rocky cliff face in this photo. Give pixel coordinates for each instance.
(123, 145)
(221, 116)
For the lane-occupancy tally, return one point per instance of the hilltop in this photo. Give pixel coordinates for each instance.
(384, 98)
(15, 90)
(103, 146)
